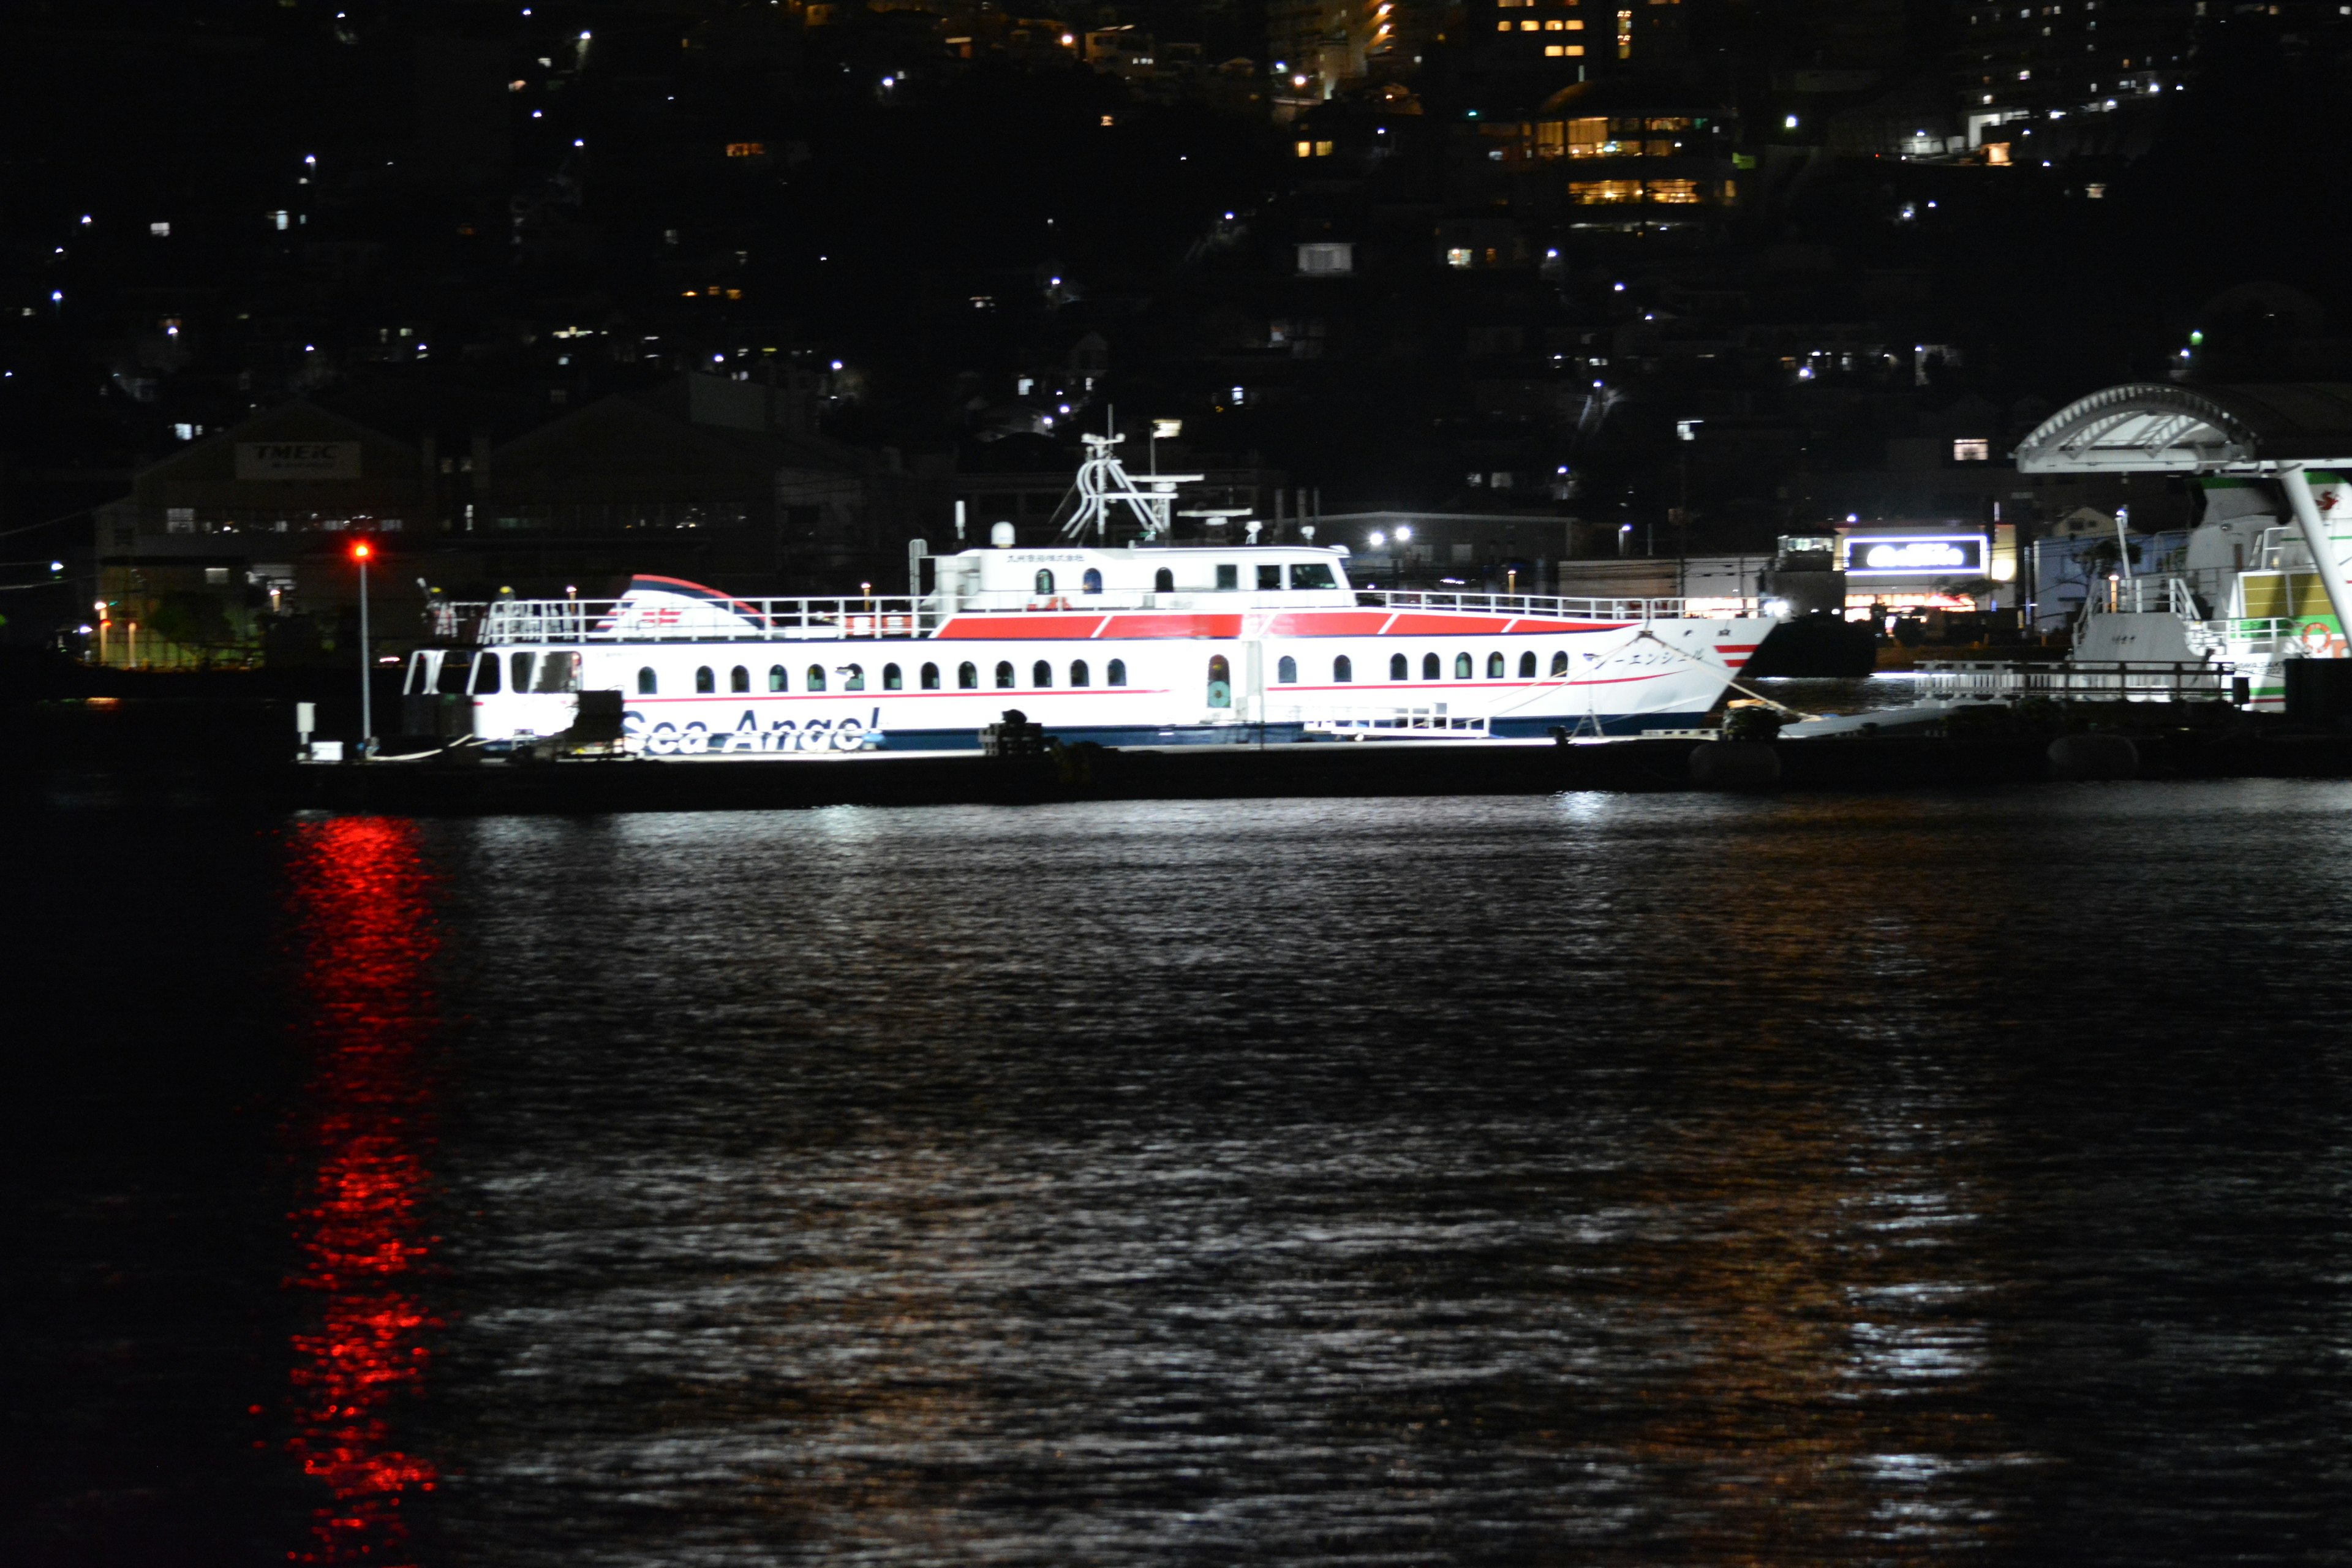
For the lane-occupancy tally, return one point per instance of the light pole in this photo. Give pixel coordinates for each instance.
(361, 550)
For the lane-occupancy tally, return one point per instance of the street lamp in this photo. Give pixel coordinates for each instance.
(361, 550)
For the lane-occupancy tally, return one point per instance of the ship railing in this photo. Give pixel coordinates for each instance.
(503, 621)
(721, 620)
(2143, 595)
(1550, 606)
(2260, 633)
(2116, 680)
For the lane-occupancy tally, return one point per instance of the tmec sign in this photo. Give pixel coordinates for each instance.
(298, 460)
(1914, 556)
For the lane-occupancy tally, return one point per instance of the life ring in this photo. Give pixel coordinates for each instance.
(2318, 642)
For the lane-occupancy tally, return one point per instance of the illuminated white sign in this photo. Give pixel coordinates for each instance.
(1893, 555)
(1916, 555)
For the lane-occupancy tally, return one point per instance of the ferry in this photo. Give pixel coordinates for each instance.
(1148, 643)
(2246, 593)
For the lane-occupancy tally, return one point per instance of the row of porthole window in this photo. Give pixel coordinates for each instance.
(1343, 669)
(853, 677)
(1041, 674)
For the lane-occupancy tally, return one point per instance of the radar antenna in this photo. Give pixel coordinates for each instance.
(1104, 483)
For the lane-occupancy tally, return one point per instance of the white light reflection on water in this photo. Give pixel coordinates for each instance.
(1613, 1178)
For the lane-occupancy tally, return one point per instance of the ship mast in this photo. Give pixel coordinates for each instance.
(1104, 484)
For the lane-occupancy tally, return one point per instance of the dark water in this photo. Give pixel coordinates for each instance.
(1593, 1179)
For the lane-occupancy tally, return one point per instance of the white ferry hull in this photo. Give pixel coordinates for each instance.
(1141, 645)
(1494, 678)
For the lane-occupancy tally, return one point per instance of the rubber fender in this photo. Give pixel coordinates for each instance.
(2075, 758)
(1734, 765)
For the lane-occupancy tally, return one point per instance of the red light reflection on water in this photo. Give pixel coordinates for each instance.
(362, 914)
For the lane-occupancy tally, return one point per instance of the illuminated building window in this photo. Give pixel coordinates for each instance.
(1592, 192)
(967, 678)
(815, 681)
(1117, 674)
(1430, 668)
(1040, 675)
(1323, 149)
(1005, 675)
(646, 684)
(1305, 149)
(1079, 674)
(1971, 451)
(1285, 671)
(704, 681)
(747, 149)
(1343, 671)
(739, 680)
(1460, 256)
(1659, 149)
(1675, 192)
(1530, 27)
(777, 680)
(1502, 27)
(931, 677)
(1326, 259)
(1564, 51)
(1462, 666)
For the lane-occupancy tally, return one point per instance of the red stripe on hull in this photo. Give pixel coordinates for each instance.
(1326, 623)
(1024, 628)
(1546, 628)
(1195, 627)
(1409, 625)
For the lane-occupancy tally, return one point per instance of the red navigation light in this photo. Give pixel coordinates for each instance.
(361, 550)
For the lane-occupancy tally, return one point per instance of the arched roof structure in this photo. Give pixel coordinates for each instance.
(2144, 427)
